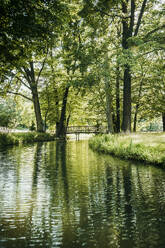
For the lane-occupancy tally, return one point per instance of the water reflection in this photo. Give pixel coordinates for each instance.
(61, 194)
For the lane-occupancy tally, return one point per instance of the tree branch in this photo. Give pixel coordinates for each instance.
(140, 17)
(22, 82)
(23, 72)
(43, 64)
(154, 30)
(42, 67)
(32, 71)
(132, 16)
(27, 72)
(19, 94)
(114, 15)
(154, 50)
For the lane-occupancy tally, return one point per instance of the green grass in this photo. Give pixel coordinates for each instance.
(23, 138)
(148, 148)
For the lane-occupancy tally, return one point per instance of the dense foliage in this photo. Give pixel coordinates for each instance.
(83, 62)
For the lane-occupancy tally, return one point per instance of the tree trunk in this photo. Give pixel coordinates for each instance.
(137, 106)
(163, 120)
(57, 111)
(128, 28)
(117, 100)
(126, 125)
(127, 33)
(36, 104)
(57, 127)
(67, 122)
(135, 118)
(32, 81)
(61, 131)
(108, 96)
(109, 107)
(45, 120)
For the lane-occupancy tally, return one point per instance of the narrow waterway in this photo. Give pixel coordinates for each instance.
(64, 195)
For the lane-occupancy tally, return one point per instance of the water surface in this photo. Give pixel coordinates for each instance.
(64, 195)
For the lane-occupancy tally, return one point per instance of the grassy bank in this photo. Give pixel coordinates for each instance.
(23, 138)
(148, 148)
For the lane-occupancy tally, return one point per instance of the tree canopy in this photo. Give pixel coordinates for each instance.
(84, 62)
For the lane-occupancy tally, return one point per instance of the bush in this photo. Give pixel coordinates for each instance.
(7, 139)
(24, 138)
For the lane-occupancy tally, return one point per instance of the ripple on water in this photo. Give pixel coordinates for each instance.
(64, 195)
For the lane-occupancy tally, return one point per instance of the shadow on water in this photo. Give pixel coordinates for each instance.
(61, 160)
(37, 160)
(60, 194)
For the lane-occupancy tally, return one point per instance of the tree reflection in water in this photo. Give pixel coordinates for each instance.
(63, 195)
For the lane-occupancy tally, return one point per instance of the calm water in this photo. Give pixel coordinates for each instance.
(64, 195)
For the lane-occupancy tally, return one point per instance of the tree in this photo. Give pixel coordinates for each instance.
(23, 81)
(131, 16)
(33, 27)
(105, 50)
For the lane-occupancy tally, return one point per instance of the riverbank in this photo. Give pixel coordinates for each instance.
(7, 139)
(146, 148)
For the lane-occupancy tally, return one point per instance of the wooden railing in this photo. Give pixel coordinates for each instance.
(4, 130)
(86, 129)
(70, 129)
(11, 130)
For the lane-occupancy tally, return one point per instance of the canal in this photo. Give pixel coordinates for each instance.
(64, 195)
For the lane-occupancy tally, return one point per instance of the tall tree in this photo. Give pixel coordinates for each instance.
(130, 29)
(28, 30)
(134, 17)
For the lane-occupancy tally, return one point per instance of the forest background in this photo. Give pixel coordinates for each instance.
(82, 63)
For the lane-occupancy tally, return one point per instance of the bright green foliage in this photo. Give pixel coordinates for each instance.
(69, 43)
(136, 147)
(25, 108)
(8, 115)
